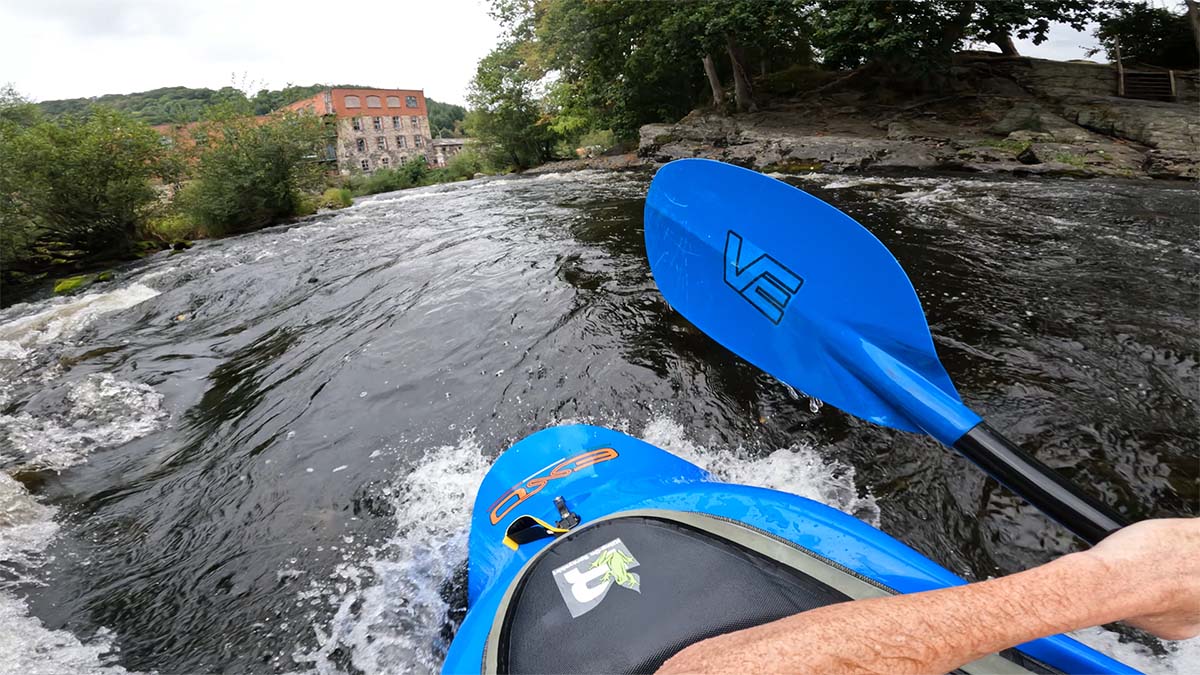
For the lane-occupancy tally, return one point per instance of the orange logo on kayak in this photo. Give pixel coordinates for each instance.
(534, 484)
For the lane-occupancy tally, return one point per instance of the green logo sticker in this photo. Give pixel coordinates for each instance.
(585, 581)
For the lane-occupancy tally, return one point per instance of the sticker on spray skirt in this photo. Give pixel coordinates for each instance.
(585, 581)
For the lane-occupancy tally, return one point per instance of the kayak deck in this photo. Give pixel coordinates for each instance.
(633, 479)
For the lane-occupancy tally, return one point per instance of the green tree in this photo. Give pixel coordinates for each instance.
(16, 109)
(1151, 35)
(444, 118)
(743, 30)
(920, 36)
(251, 173)
(506, 116)
(17, 231)
(622, 63)
(84, 181)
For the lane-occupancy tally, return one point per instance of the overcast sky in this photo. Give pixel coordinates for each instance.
(53, 49)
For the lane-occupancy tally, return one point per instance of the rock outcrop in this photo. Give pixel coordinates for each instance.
(1023, 116)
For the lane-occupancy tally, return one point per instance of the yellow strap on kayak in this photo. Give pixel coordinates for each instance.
(528, 528)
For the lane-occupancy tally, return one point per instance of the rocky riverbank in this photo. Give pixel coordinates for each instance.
(1004, 114)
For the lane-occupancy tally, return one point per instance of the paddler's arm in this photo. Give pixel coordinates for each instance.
(1147, 574)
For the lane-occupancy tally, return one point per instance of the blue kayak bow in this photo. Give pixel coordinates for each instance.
(801, 290)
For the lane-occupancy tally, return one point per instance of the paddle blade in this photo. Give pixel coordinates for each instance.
(800, 290)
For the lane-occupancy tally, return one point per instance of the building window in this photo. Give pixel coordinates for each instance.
(381, 143)
(400, 142)
(362, 145)
(352, 102)
(378, 122)
(418, 141)
(356, 123)
(410, 101)
(385, 161)
(416, 122)
(395, 121)
(373, 102)
(393, 101)
(366, 165)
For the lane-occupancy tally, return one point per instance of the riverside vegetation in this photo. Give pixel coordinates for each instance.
(84, 187)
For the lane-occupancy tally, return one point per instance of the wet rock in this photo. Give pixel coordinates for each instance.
(71, 361)
(181, 244)
(1171, 164)
(1028, 156)
(106, 275)
(73, 284)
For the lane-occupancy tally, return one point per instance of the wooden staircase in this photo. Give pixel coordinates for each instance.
(1150, 85)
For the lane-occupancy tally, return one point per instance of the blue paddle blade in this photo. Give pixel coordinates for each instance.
(800, 290)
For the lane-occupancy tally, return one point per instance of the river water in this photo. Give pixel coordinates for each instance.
(259, 455)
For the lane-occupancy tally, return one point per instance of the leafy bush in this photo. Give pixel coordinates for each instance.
(597, 142)
(80, 183)
(465, 164)
(307, 205)
(383, 180)
(413, 173)
(170, 227)
(336, 198)
(252, 173)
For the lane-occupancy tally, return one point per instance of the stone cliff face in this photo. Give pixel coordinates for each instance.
(1019, 115)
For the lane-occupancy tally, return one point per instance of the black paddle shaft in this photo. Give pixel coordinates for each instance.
(1052, 494)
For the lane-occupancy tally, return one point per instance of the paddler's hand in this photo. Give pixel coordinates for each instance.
(1158, 563)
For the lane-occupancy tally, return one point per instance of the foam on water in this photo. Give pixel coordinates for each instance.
(100, 411)
(26, 646)
(392, 614)
(799, 470)
(95, 412)
(69, 317)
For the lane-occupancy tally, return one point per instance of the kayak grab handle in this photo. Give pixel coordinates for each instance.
(526, 528)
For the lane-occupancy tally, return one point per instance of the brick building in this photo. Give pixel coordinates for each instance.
(375, 128)
(445, 148)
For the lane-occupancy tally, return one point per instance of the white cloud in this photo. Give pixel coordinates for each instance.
(1063, 43)
(69, 48)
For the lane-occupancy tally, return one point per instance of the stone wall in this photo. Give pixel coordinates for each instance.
(1068, 79)
(416, 142)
